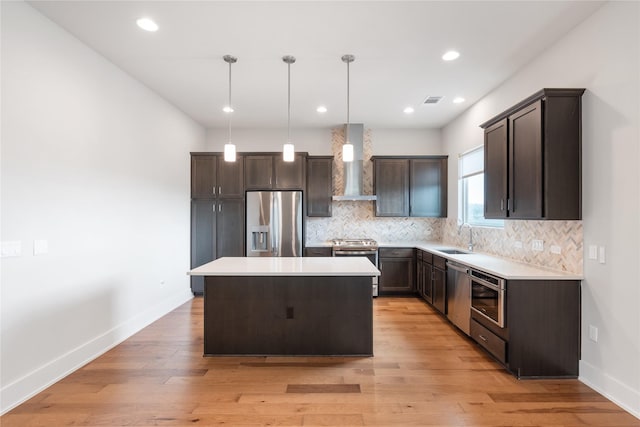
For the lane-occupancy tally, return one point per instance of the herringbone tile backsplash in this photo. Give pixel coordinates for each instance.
(357, 220)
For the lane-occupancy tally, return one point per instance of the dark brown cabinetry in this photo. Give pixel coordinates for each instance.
(391, 185)
(431, 279)
(317, 251)
(319, 185)
(397, 270)
(217, 210)
(411, 186)
(533, 158)
(541, 337)
(267, 171)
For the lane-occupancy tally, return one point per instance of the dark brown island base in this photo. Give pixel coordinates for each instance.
(288, 306)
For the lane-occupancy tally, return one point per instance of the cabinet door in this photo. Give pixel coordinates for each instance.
(289, 175)
(203, 237)
(397, 275)
(317, 252)
(230, 228)
(439, 290)
(203, 176)
(427, 271)
(428, 188)
(525, 162)
(495, 170)
(258, 171)
(391, 179)
(319, 186)
(231, 178)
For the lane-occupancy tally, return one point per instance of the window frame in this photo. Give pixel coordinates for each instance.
(463, 193)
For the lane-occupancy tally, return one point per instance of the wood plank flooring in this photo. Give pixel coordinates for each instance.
(424, 373)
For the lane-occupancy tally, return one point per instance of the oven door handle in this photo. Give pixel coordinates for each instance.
(486, 284)
(354, 252)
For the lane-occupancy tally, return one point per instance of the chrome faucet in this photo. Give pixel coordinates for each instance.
(470, 246)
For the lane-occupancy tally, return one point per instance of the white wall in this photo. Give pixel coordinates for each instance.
(318, 141)
(97, 165)
(602, 55)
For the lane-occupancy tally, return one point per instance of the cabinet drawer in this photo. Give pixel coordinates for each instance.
(427, 257)
(439, 262)
(317, 251)
(396, 252)
(491, 342)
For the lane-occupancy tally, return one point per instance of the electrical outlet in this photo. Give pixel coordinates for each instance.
(11, 248)
(517, 245)
(593, 333)
(40, 247)
(537, 245)
(555, 249)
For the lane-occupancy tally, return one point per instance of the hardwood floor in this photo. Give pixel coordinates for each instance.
(423, 374)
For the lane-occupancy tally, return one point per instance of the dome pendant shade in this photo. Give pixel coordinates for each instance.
(288, 152)
(347, 152)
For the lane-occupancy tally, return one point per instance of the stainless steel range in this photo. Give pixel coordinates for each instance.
(358, 247)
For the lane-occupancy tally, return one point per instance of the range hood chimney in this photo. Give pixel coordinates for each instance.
(353, 171)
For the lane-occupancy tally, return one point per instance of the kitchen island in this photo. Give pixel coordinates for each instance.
(288, 306)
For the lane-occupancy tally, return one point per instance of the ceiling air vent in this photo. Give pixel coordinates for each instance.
(431, 100)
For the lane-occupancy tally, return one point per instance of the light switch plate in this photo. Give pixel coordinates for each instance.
(601, 255)
(555, 249)
(40, 247)
(593, 333)
(11, 248)
(593, 252)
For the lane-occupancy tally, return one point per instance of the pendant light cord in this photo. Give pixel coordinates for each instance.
(229, 129)
(288, 102)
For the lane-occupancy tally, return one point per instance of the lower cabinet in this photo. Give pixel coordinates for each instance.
(431, 280)
(397, 271)
(217, 230)
(541, 337)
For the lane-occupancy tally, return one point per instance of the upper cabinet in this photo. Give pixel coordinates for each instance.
(212, 177)
(319, 185)
(410, 186)
(270, 172)
(533, 158)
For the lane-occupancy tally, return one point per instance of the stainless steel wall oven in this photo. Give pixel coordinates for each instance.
(488, 296)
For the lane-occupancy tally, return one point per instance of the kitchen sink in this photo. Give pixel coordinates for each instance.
(452, 251)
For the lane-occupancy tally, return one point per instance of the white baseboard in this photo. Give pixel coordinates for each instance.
(12, 395)
(619, 393)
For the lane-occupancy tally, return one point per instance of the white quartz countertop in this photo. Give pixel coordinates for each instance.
(287, 266)
(507, 269)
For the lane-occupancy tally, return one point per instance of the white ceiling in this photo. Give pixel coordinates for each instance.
(398, 47)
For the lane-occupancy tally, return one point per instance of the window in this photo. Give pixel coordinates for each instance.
(471, 190)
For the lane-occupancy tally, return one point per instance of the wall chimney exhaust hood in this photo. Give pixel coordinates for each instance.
(353, 171)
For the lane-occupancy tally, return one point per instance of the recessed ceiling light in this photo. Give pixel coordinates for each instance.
(408, 110)
(147, 24)
(458, 100)
(227, 109)
(451, 55)
(321, 109)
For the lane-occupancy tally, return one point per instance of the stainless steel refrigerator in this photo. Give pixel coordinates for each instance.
(274, 223)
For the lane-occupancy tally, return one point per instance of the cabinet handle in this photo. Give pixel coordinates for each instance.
(214, 208)
(509, 205)
(483, 338)
(219, 207)
(213, 190)
(220, 191)
(501, 204)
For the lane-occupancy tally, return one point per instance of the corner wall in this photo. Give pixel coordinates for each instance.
(97, 165)
(602, 55)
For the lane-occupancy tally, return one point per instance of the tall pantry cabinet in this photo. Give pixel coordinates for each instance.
(217, 210)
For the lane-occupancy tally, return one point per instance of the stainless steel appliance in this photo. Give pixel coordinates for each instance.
(459, 296)
(488, 296)
(274, 223)
(358, 247)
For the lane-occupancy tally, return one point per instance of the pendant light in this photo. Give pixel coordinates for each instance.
(229, 147)
(347, 148)
(288, 150)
